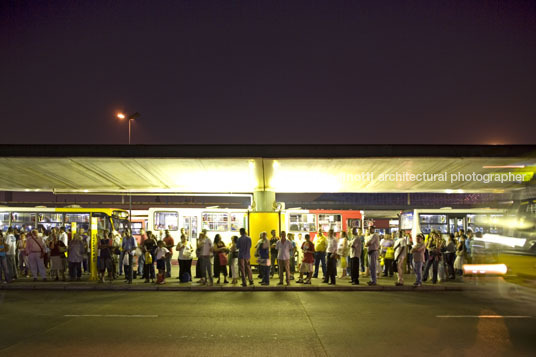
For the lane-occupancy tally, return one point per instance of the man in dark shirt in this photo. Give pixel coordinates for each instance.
(244, 247)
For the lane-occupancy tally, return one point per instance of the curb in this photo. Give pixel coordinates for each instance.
(87, 287)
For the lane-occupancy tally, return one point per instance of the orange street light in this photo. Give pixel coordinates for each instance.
(130, 118)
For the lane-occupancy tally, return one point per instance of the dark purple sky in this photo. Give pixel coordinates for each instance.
(349, 72)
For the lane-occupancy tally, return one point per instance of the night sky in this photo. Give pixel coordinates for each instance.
(300, 72)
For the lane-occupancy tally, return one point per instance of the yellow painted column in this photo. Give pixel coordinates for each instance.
(262, 222)
(93, 250)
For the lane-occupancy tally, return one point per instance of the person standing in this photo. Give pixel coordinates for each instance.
(292, 255)
(169, 243)
(308, 249)
(434, 250)
(75, 257)
(356, 248)
(450, 255)
(418, 258)
(63, 237)
(149, 249)
(129, 248)
(198, 274)
(117, 241)
(284, 248)
(161, 252)
(264, 258)
(372, 244)
(299, 242)
(363, 258)
(244, 255)
(35, 250)
(233, 259)
(57, 255)
(331, 252)
(321, 244)
(460, 255)
(23, 258)
(4, 271)
(400, 258)
(11, 253)
(469, 251)
(342, 253)
(409, 259)
(86, 242)
(273, 251)
(105, 260)
(205, 248)
(185, 260)
(141, 257)
(220, 259)
(388, 254)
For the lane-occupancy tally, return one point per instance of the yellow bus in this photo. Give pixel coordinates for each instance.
(44, 217)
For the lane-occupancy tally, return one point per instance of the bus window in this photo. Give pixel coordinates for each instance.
(433, 222)
(238, 221)
(136, 228)
(406, 221)
(49, 220)
(4, 221)
(330, 221)
(215, 222)
(103, 221)
(166, 220)
(81, 219)
(352, 223)
(24, 220)
(302, 222)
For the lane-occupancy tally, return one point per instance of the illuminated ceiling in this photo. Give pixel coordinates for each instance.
(246, 169)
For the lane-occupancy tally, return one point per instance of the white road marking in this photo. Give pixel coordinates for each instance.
(111, 315)
(486, 316)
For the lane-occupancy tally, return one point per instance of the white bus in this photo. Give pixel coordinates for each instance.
(222, 221)
(447, 220)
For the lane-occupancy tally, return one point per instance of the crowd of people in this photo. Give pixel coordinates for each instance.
(50, 254)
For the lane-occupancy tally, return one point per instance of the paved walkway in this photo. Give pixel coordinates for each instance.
(173, 284)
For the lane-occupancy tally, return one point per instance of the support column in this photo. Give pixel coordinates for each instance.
(263, 201)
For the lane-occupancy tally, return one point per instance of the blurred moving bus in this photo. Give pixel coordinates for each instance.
(446, 220)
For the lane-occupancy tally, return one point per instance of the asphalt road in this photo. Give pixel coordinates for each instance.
(229, 323)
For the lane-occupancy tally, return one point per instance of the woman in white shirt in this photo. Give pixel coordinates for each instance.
(342, 251)
(400, 257)
(185, 260)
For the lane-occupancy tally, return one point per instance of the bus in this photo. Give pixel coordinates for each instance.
(227, 222)
(447, 220)
(310, 221)
(525, 225)
(28, 218)
(222, 221)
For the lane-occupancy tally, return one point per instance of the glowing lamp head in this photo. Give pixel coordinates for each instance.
(121, 115)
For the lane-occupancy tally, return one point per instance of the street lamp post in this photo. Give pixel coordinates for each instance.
(122, 116)
(130, 119)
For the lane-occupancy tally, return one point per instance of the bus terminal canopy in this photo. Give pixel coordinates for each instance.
(279, 168)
